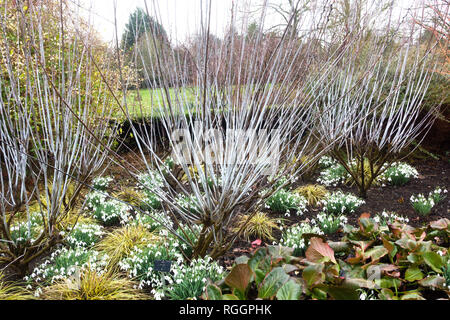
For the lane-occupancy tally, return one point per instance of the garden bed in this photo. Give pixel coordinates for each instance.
(387, 198)
(432, 173)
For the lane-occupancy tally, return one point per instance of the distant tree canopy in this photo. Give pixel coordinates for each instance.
(19, 38)
(138, 24)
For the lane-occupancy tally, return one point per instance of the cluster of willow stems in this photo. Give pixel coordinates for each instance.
(305, 91)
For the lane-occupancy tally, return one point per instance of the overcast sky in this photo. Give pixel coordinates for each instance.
(180, 18)
(186, 14)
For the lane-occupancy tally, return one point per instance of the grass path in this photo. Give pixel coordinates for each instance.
(152, 100)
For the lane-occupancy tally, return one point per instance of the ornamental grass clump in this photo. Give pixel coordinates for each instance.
(398, 174)
(92, 285)
(292, 236)
(282, 201)
(119, 243)
(313, 193)
(338, 203)
(330, 223)
(259, 226)
(421, 204)
(189, 280)
(131, 196)
(13, 290)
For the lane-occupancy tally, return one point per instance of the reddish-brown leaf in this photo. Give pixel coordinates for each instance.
(239, 277)
(318, 250)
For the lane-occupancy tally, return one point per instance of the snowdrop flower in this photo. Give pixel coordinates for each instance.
(340, 203)
(292, 236)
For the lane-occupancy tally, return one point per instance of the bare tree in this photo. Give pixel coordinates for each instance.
(268, 98)
(54, 128)
(376, 111)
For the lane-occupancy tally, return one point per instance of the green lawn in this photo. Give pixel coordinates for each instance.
(150, 102)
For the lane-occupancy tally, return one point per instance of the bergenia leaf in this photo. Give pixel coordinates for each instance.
(318, 250)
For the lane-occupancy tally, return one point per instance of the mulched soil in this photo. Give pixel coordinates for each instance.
(392, 198)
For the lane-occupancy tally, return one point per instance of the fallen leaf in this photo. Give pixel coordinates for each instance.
(256, 243)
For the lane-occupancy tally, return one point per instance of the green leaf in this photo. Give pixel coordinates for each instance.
(340, 246)
(239, 277)
(241, 260)
(424, 247)
(313, 275)
(387, 294)
(272, 283)
(230, 297)
(412, 295)
(362, 244)
(240, 295)
(433, 282)
(259, 276)
(343, 292)
(213, 292)
(280, 252)
(291, 290)
(388, 282)
(389, 245)
(353, 271)
(347, 290)
(376, 253)
(319, 294)
(360, 283)
(413, 273)
(406, 243)
(257, 257)
(289, 268)
(434, 261)
(414, 258)
(393, 252)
